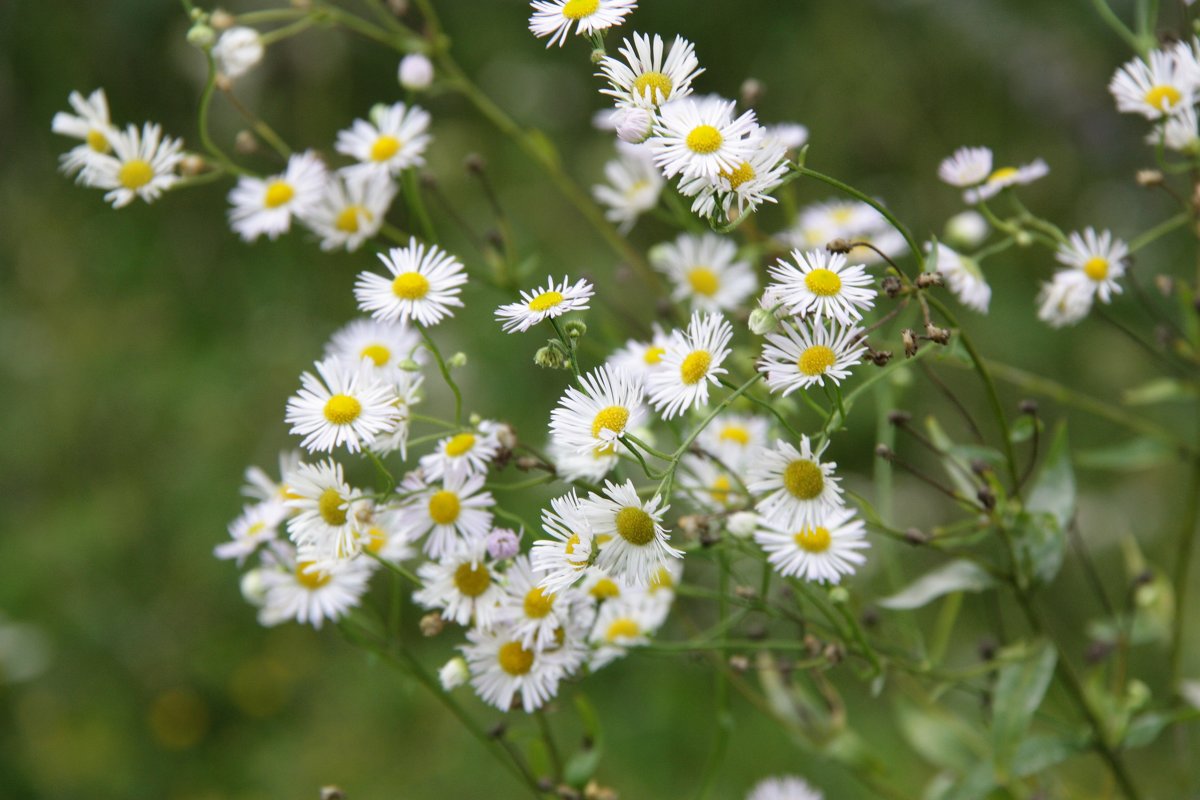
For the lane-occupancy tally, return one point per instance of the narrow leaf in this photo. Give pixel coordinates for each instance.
(1020, 688)
(955, 576)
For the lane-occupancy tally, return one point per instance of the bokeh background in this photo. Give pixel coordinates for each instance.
(147, 353)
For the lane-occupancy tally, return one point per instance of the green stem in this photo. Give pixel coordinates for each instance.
(412, 191)
(1183, 561)
(556, 763)
(724, 723)
(286, 31)
(1113, 21)
(210, 87)
(445, 370)
(1159, 230)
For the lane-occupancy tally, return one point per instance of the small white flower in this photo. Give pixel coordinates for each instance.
(90, 123)
(709, 485)
(383, 344)
(266, 205)
(743, 524)
(644, 78)
(734, 438)
(463, 584)
(1066, 299)
(142, 164)
(791, 135)
(704, 271)
(394, 140)
(1154, 89)
(702, 139)
(693, 360)
(237, 51)
(415, 72)
(1179, 132)
(348, 405)
(407, 386)
(255, 526)
(554, 18)
(454, 511)
(590, 466)
(806, 355)
(749, 185)
(967, 229)
(968, 166)
(1100, 257)
(542, 304)
(633, 542)
(821, 285)
(1005, 177)
(385, 533)
(424, 283)
(964, 278)
(533, 613)
(633, 188)
(351, 209)
(327, 511)
(502, 668)
(561, 559)
(633, 125)
(310, 594)
(800, 490)
(261, 487)
(620, 625)
(467, 453)
(822, 549)
(787, 787)
(594, 417)
(453, 673)
(638, 358)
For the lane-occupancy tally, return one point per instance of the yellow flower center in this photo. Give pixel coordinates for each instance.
(278, 193)
(410, 286)
(444, 507)
(460, 444)
(311, 579)
(377, 353)
(384, 148)
(695, 367)
(823, 282)
(329, 506)
(1096, 268)
(804, 479)
(622, 628)
(347, 220)
(658, 84)
(342, 409)
(635, 525)
(545, 301)
(538, 603)
(515, 659)
(735, 433)
(135, 174)
(376, 539)
(815, 360)
(704, 281)
(654, 355)
(661, 580)
(842, 214)
(740, 175)
(719, 489)
(1163, 97)
(813, 540)
(578, 9)
(1002, 174)
(604, 589)
(613, 418)
(704, 139)
(472, 580)
(98, 141)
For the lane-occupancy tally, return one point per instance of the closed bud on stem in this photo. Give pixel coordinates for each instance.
(453, 673)
(633, 125)
(598, 55)
(221, 19)
(739, 663)
(885, 452)
(879, 358)
(1149, 177)
(752, 92)
(201, 35)
(192, 165)
(745, 592)
(416, 72)
(549, 358)
(574, 328)
(762, 321)
(915, 536)
(245, 143)
(474, 163)
(839, 596)
(457, 361)
(332, 793)
(1024, 238)
(909, 337)
(1165, 284)
(432, 624)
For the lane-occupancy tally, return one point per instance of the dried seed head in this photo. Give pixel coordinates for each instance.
(898, 417)
(880, 358)
(891, 286)
(245, 143)
(986, 498)
(752, 92)
(839, 246)
(927, 279)
(1149, 177)
(915, 536)
(936, 334)
(885, 452)
(432, 624)
(909, 337)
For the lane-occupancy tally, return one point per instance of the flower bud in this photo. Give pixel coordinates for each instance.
(457, 361)
(633, 124)
(237, 51)
(503, 543)
(453, 673)
(550, 358)
(966, 230)
(201, 35)
(416, 72)
(253, 588)
(763, 321)
(431, 624)
(742, 524)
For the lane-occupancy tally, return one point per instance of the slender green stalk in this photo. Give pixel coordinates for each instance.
(1158, 231)
(445, 370)
(724, 722)
(556, 762)
(412, 192)
(1113, 21)
(1183, 563)
(287, 31)
(206, 96)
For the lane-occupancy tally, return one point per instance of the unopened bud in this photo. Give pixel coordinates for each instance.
(574, 328)
(453, 673)
(254, 589)
(891, 286)
(1024, 238)
(967, 229)
(879, 358)
(752, 92)
(839, 596)
(550, 358)
(898, 417)
(408, 365)
(201, 35)
(457, 361)
(742, 524)
(745, 592)
(763, 321)
(332, 793)
(432, 624)
(739, 663)
(503, 543)
(1165, 284)
(986, 498)
(839, 246)
(415, 72)
(885, 452)
(507, 435)
(598, 55)
(1149, 177)
(909, 337)
(192, 165)
(221, 19)
(245, 143)
(833, 653)
(915, 536)
(633, 125)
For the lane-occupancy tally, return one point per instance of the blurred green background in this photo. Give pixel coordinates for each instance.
(147, 354)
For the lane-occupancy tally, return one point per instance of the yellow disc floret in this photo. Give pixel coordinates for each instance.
(538, 603)
(329, 506)
(460, 444)
(1163, 97)
(803, 479)
(98, 141)
(278, 193)
(657, 84)
(695, 367)
(635, 526)
(1003, 174)
(814, 540)
(376, 539)
(605, 588)
(444, 507)
(735, 433)
(613, 418)
(135, 174)
(704, 281)
(378, 353)
(816, 360)
(622, 628)
(740, 175)
(720, 489)
(410, 286)
(342, 409)
(1096, 268)
(823, 282)
(578, 9)
(545, 301)
(704, 139)
(347, 219)
(653, 355)
(472, 580)
(384, 148)
(309, 578)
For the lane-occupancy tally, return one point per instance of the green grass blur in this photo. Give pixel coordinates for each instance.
(146, 355)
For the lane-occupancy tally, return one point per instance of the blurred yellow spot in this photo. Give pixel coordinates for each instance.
(605, 588)
(622, 628)
(278, 193)
(515, 659)
(98, 141)
(384, 148)
(377, 353)
(472, 579)
(1163, 97)
(178, 719)
(329, 506)
(460, 444)
(309, 578)
(703, 281)
(135, 174)
(444, 507)
(654, 355)
(1096, 268)
(740, 175)
(814, 540)
(735, 433)
(348, 220)
(538, 603)
(578, 9)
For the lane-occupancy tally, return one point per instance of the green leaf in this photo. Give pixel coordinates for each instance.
(954, 576)
(1160, 390)
(939, 737)
(581, 766)
(1145, 728)
(1054, 491)
(1040, 544)
(1128, 456)
(1040, 752)
(956, 465)
(1023, 427)
(1020, 688)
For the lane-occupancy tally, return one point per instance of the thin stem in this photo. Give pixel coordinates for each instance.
(445, 370)
(556, 763)
(210, 86)
(1183, 562)
(412, 192)
(724, 722)
(1113, 21)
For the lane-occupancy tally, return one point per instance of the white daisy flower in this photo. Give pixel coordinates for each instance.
(804, 355)
(589, 466)
(821, 285)
(455, 510)
(502, 668)
(702, 139)
(466, 453)
(645, 79)
(531, 613)
(1179, 132)
(637, 544)
(967, 229)
(638, 358)
(787, 787)
(600, 587)
(90, 123)
(968, 166)
(407, 386)
(266, 205)
(1100, 257)
(594, 417)
(424, 283)
(393, 141)
(1005, 177)
(308, 593)
(818, 223)
(1154, 89)
(348, 405)
(800, 490)
(237, 51)
(463, 584)
(384, 345)
(964, 277)
(415, 72)
(823, 549)
(385, 534)
(351, 209)
(692, 361)
(262, 487)
(141, 164)
(561, 559)
(256, 525)
(327, 521)
(887, 241)
(1066, 299)
(633, 188)
(705, 272)
(709, 485)
(734, 438)
(554, 18)
(792, 135)
(542, 304)
(750, 184)
(620, 625)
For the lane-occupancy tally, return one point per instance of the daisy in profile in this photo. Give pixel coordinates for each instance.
(1098, 257)
(265, 206)
(633, 188)
(467, 453)
(394, 139)
(692, 361)
(533, 613)
(638, 358)
(823, 549)
(263, 488)
(385, 534)
(462, 584)
(822, 285)
(636, 544)
(1066, 299)
(818, 223)
(963, 276)
(734, 438)
(407, 386)
(1005, 177)
(384, 345)
(326, 523)
(302, 591)
(90, 123)
(590, 466)
(804, 355)
(709, 485)
(1156, 88)
(800, 490)
(454, 510)
(620, 625)
(141, 164)
(502, 668)
(643, 77)
(792, 135)
(704, 271)
(1179, 132)
(787, 787)
(561, 559)
(348, 405)
(256, 525)
(749, 185)
(238, 51)
(594, 417)
(702, 139)
(967, 166)
(542, 304)
(600, 587)
(424, 283)
(555, 18)
(351, 209)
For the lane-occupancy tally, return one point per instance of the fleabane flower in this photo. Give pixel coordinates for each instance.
(734, 438)
(555, 18)
(310, 593)
(704, 271)
(709, 485)
(638, 358)
(633, 188)
(799, 489)
(821, 285)
(463, 584)
(703, 139)
(693, 360)
(633, 543)
(803, 355)
(561, 559)
(823, 549)
(749, 185)
(590, 466)
(255, 526)
(327, 512)
(265, 206)
(593, 417)
(90, 123)
(542, 304)
(622, 624)
(237, 51)
(465, 453)
(967, 166)
(383, 344)
(502, 668)
(1179, 132)
(1155, 88)
(141, 164)
(455, 510)
(643, 78)
(787, 787)
(964, 277)
(393, 140)
(348, 405)
(1100, 257)
(1065, 299)
(1004, 177)
(351, 209)
(534, 613)
(407, 387)
(425, 281)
